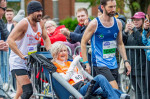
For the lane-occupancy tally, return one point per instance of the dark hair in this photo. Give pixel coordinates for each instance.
(82, 9)
(104, 2)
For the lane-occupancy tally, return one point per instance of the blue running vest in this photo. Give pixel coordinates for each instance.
(103, 44)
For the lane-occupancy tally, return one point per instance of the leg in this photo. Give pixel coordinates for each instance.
(115, 73)
(107, 73)
(114, 84)
(102, 82)
(24, 87)
(19, 91)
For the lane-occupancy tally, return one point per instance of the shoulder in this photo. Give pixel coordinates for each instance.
(119, 24)
(93, 23)
(23, 24)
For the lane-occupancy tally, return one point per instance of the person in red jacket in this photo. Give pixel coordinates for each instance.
(54, 32)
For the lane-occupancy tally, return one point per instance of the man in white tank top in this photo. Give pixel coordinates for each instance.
(23, 41)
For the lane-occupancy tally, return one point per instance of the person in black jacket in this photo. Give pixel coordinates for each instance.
(3, 36)
(132, 36)
(83, 20)
(3, 30)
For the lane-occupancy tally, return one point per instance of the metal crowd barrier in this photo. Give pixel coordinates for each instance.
(43, 49)
(41, 88)
(127, 82)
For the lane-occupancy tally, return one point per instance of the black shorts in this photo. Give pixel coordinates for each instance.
(115, 73)
(19, 72)
(105, 71)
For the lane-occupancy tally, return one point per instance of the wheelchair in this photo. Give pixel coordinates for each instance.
(59, 87)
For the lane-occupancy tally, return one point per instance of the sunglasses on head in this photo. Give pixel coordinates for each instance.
(3, 8)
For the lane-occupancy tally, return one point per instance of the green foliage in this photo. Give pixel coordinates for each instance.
(136, 5)
(69, 23)
(15, 6)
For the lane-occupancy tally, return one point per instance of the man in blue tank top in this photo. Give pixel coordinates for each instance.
(105, 33)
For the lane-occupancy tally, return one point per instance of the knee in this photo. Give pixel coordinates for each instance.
(100, 77)
(27, 91)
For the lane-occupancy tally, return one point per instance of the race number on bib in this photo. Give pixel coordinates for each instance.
(109, 49)
(32, 49)
(77, 78)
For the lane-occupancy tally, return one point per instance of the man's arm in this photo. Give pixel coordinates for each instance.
(17, 34)
(47, 42)
(121, 47)
(86, 37)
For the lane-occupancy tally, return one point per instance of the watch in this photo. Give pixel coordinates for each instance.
(126, 61)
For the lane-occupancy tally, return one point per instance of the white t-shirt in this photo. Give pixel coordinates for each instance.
(9, 27)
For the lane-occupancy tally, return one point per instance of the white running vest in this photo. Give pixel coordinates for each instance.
(26, 45)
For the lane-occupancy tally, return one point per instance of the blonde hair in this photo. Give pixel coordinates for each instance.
(51, 22)
(56, 48)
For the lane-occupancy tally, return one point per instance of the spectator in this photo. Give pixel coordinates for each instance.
(20, 15)
(73, 73)
(121, 18)
(3, 36)
(55, 35)
(46, 18)
(133, 36)
(146, 41)
(53, 32)
(76, 36)
(9, 17)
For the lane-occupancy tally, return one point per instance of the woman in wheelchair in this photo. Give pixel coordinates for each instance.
(73, 73)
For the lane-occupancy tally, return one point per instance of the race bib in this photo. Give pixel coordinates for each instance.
(32, 49)
(109, 49)
(77, 78)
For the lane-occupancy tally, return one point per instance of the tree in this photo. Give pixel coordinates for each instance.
(138, 5)
(134, 5)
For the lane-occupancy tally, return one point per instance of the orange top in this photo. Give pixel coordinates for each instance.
(64, 69)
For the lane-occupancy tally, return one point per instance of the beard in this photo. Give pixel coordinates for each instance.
(37, 18)
(110, 14)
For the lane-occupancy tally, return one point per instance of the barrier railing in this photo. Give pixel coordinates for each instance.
(43, 88)
(139, 78)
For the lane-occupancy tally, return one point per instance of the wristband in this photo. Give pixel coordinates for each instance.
(126, 61)
(85, 62)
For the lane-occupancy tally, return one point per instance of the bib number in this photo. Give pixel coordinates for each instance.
(109, 49)
(32, 49)
(77, 78)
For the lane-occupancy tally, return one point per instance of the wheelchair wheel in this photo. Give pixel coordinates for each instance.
(125, 83)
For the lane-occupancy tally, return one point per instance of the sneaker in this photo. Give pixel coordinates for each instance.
(125, 96)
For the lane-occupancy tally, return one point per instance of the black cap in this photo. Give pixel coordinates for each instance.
(34, 6)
